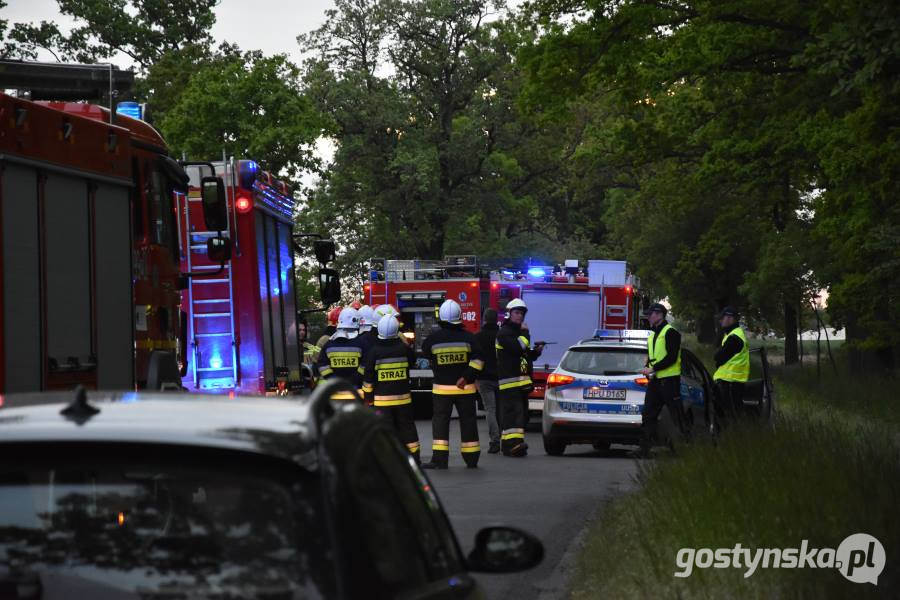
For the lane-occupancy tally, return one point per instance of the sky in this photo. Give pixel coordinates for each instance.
(268, 25)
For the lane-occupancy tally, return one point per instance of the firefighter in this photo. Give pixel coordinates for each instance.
(514, 359)
(456, 361)
(732, 363)
(342, 356)
(310, 351)
(664, 373)
(333, 315)
(386, 382)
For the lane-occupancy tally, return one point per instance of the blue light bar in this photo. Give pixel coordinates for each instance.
(130, 109)
(536, 272)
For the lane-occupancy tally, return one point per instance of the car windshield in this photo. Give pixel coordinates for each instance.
(148, 530)
(604, 361)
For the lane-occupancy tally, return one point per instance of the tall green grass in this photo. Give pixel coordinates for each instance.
(826, 470)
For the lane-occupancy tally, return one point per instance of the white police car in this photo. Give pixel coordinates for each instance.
(596, 394)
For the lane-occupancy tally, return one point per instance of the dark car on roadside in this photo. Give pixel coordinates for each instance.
(166, 495)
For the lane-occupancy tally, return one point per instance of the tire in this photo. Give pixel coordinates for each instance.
(553, 446)
(601, 445)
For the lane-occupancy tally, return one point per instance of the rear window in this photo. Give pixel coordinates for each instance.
(604, 361)
(117, 526)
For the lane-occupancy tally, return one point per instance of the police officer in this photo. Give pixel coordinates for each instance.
(342, 356)
(732, 363)
(664, 373)
(386, 382)
(514, 359)
(456, 361)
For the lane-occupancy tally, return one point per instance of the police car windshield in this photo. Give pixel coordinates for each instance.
(604, 361)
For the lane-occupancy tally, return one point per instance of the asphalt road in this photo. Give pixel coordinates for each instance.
(551, 497)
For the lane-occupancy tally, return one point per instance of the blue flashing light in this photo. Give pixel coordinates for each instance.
(252, 166)
(216, 361)
(276, 291)
(536, 272)
(129, 109)
(510, 273)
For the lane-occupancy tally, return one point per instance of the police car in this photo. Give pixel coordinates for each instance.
(596, 394)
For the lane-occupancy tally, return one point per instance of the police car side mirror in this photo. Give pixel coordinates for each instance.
(215, 212)
(504, 550)
(329, 286)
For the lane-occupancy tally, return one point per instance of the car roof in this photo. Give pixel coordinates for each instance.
(605, 343)
(284, 428)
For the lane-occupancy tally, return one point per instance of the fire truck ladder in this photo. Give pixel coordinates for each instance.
(211, 312)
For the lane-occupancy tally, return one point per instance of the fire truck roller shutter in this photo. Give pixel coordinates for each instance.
(115, 332)
(68, 276)
(560, 316)
(21, 280)
(289, 300)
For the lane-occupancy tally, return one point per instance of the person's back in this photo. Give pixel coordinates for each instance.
(487, 377)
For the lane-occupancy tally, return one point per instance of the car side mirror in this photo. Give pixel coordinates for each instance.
(324, 251)
(218, 249)
(215, 211)
(329, 286)
(504, 550)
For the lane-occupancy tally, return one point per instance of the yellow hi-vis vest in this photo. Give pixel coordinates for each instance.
(738, 366)
(657, 352)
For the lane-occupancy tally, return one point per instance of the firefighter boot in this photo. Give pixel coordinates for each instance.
(440, 451)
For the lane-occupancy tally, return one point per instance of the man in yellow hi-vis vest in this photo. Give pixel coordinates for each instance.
(732, 363)
(664, 373)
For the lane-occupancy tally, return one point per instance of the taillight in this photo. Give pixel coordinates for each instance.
(243, 204)
(556, 380)
(642, 381)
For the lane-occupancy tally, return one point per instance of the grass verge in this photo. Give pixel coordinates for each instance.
(828, 469)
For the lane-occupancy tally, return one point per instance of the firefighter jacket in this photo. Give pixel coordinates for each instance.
(386, 377)
(487, 342)
(454, 353)
(342, 357)
(514, 357)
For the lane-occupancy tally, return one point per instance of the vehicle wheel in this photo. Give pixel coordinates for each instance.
(553, 446)
(601, 445)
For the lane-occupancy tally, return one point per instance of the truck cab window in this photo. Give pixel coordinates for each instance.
(162, 214)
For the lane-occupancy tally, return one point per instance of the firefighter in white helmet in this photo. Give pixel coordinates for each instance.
(343, 355)
(367, 335)
(514, 364)
(456, 360)
(386, 382)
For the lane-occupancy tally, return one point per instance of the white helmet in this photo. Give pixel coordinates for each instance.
(388, 327)
(385, 310)
(450, 312)
(516, 303)
(366, 317)
(348, 323)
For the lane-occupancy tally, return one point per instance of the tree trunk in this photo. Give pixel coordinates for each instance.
(791, 355)
(706, 330)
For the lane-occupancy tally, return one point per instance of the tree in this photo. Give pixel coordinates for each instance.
(250, 106)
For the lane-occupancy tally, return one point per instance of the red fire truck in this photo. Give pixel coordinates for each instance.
(89, 249)
(566, 303)
(242, 319)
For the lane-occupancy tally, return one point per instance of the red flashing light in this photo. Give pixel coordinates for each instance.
(628, 289)
(473, 284)
(243, 204)
(556, 380)
(495, 285)
(366, 287)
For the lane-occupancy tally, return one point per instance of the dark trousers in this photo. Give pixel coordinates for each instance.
(731, 394)
(400, 419)
(513, 416)
(468, 428)
(660, 393)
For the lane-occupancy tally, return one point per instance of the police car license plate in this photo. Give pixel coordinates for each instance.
(600, 409)
(596, 393)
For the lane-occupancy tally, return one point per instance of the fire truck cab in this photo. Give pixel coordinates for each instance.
(90, 254)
